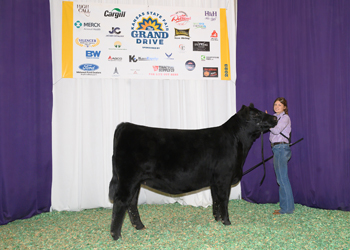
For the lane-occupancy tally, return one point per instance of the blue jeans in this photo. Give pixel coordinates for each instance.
(281, 156)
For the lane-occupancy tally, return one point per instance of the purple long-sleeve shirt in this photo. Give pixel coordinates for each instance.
(284, 126)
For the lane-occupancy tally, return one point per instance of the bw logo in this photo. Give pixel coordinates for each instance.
(93, 54)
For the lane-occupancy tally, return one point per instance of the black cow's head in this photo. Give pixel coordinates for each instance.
(262, 121)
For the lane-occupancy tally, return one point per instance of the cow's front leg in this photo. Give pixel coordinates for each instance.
(119, 209)
(221, 195)
(134, 212)
(224, 212)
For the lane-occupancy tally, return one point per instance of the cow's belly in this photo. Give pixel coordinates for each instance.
(177, 187)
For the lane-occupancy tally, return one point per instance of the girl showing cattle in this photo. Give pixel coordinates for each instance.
(280, 139)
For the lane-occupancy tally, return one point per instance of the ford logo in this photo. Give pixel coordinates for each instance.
(88, 67)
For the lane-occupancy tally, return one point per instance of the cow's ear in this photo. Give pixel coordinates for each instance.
(251, 105)
(244, 111)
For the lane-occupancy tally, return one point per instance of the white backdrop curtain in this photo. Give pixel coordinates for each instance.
(87, 111)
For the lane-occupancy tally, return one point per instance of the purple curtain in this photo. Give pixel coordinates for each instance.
(25, 109)
(300, 50)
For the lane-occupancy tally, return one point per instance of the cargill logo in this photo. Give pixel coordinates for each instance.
(116, 13)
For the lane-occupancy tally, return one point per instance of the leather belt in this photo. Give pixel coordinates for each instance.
(276, 143)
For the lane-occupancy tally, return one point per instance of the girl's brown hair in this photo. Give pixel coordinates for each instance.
(284, 102)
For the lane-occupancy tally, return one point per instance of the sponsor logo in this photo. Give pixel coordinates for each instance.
(88, 67)
(149, 29)
(78, 24)
(208, 58)
(84, 42)
(114, 59)
(115, 32)
(135, 71)
(199, 26)
(132, 58)
(182, 48)
(84, 9)
(214, 36)
(164, 68)
(180, 18)
(210, 72)
(190, 65)
(211, 15)
(115, 73)
(168, 56)
(201, 46)
(182, 34)
(226, 69)
(90, 54)
(117, 46)
(163, 71)
(116, 13)
(92, 26)
(88, 26)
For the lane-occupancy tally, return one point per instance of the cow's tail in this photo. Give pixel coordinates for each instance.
(114, 182)
(115, 179)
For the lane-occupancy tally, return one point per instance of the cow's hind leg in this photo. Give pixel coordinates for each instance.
(134, 212)
(121, 202)
(118, 215)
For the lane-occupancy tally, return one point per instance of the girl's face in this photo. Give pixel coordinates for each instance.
(278, 107)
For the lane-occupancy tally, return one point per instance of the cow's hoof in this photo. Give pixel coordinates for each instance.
(226, 222)
(139, 226)
(115, 236)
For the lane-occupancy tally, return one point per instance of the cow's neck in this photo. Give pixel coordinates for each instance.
(244, 134)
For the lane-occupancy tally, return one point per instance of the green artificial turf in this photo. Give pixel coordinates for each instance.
(173, 226)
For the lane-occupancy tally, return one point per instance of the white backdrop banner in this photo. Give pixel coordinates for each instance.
(133, 41)
(87, 110)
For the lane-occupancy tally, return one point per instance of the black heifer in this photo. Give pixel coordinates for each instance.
(179, 161)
